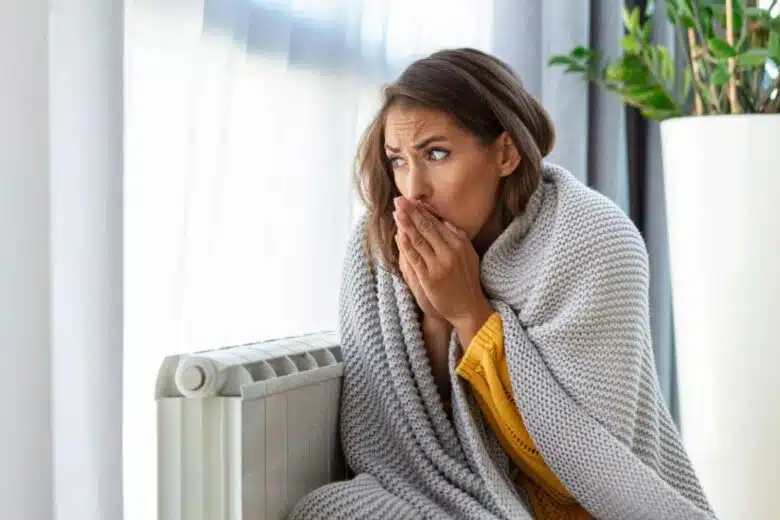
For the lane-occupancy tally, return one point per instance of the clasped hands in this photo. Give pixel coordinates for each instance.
(441, 268)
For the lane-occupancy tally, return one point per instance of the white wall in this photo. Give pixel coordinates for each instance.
(25, 440)
(60, 259)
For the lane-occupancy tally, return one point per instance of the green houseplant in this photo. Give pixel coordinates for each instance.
(719, 114)
(732, 52)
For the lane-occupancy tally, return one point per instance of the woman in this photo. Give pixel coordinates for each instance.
(494, 322)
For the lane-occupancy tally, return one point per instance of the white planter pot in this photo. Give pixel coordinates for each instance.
(722, 182)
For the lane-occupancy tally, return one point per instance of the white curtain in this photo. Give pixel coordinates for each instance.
(242, 119)
(61, 259)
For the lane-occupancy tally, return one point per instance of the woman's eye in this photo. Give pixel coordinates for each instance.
(437, 154)
(396, 162)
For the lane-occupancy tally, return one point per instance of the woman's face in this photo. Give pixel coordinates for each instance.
(437, 162)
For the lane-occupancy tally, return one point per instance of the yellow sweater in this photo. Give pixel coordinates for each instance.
(484, 366)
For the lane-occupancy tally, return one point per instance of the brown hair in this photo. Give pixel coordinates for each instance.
(486, 97)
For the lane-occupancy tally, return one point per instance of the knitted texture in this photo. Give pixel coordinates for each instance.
(570, 280)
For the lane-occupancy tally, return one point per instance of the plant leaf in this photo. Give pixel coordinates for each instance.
(630, 44)
(650, 8)
(580, 52)
(686, 6)
(641, 94)
(686, 13)
(665, 64)
(561, 59)
(659, 115)
(753, 57)
(721, 75)
(635, 19)
(672, 13)
(687, 83)
(719, 14)
(594, 64)
(718, 4)
(721, 48)
(647, 31)
(757, 13)
(774, 45)
(629, 70)
(574, 68)
(648, 96)
(628, 21)
(705, 96)
(687, 21)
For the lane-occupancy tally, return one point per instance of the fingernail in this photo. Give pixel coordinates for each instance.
(395, 216)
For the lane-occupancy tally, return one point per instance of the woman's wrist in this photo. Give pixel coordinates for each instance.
(468, 326)
(435, 325)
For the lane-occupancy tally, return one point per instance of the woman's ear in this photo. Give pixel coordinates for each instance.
(508, 156)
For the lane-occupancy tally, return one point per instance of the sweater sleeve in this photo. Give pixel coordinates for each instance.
(484, 367)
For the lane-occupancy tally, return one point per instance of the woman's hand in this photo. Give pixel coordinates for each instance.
(428, 310)
(436, 330)
(444, 265)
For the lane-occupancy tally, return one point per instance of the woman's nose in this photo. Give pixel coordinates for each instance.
(418, 187)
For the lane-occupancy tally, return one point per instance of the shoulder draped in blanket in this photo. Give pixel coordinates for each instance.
(570, 280)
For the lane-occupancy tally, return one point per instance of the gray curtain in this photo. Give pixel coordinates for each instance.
(610, 147)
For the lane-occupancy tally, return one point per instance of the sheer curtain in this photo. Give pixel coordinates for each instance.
(242, 118)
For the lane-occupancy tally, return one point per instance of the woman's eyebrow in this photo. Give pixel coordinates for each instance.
(422, 144)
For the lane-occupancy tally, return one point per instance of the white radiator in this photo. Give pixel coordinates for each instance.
(244, 432)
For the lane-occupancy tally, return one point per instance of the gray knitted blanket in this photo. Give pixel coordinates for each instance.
(570, 280)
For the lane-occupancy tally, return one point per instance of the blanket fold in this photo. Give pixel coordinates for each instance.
(570, 280)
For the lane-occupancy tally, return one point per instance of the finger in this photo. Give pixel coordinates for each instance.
(448, 229)
(407, 272)
(412, 256)
(423, 222)
(416, 239)
(403, 265)
(428, 207)
(452, 238)
(456, 230)
(452, 235)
